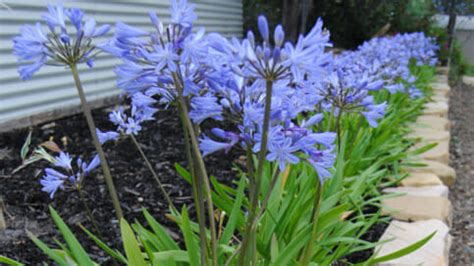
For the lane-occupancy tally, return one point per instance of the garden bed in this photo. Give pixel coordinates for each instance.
(322, 135)
(27, 206)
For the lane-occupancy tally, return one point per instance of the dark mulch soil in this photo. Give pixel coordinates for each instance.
(461, 114)
(27, 206)
(373, 235)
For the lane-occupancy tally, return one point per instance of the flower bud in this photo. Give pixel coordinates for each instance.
(279, 35)
(65, 38)
(219, 133)
(251, 38)
(267, 53)
(263, 27)
(156, 22)
(276, 54)
(225, 103)
(259, 52)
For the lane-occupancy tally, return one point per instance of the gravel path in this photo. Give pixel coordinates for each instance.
(461, 114)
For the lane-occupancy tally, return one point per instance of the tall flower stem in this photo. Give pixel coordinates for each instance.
(88, 211)
(354, 141)
(269, 193)
(250, 171)
(197, 193)
(200, 166)
(103, 161)
(152, 170)
(338, 128)
(331, 116)
(306, 257)
(248, 255)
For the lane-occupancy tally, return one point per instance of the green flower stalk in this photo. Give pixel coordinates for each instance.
(35, 48)
(92, 128)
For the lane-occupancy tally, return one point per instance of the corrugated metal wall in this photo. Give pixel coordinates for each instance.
(52, 88)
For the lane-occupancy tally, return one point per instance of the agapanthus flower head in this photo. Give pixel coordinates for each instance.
(65, 175)
(129, 121)
(287, 144)
(388, 59)
(182, 13)
(343, 92)
(238, 73)
(34, 47)
(162, 63)
(277, 60)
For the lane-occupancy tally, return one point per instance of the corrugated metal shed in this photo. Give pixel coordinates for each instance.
(52, 89)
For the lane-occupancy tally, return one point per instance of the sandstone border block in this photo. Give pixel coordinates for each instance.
(417, 208)
(432, 122)
(435, 252)
(443, 171)
(425, 191)
(421, 179)
(430, 134)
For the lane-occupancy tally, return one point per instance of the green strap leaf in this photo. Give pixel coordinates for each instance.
(189, 239)
(48, 251)
(114, 253)
(236, 211)
(165, 240)
(9, 261)
(404, 251)
(171, 255)
(290, 252)
(78, 252)
(130, 244)
(26, 146)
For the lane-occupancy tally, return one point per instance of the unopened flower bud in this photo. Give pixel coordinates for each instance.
(156, 22)
(219, 133)
(225, 103)
(279, 36)
(267, 53)
(259, 52)
(263, 27)
(251, 38)
(276, 54)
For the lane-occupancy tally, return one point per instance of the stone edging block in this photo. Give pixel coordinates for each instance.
(402, 234)
(432, 122)
(421, 179)
(430, 134)
(425, 191)
(468, 80)
(417, 208)
(444, 172)
(437, 108)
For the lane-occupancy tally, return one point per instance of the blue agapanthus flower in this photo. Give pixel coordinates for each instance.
(182, 13)
(388, 59)
(129, 121)
(35, 47)
(238, 73)
(343, 92)
(55, 179)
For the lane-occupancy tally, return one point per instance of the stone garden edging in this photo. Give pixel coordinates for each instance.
(422, 206)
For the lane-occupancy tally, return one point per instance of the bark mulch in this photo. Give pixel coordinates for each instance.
(27, 206)
(461, 114)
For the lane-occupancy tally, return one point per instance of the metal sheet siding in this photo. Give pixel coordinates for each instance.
(52, 88)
